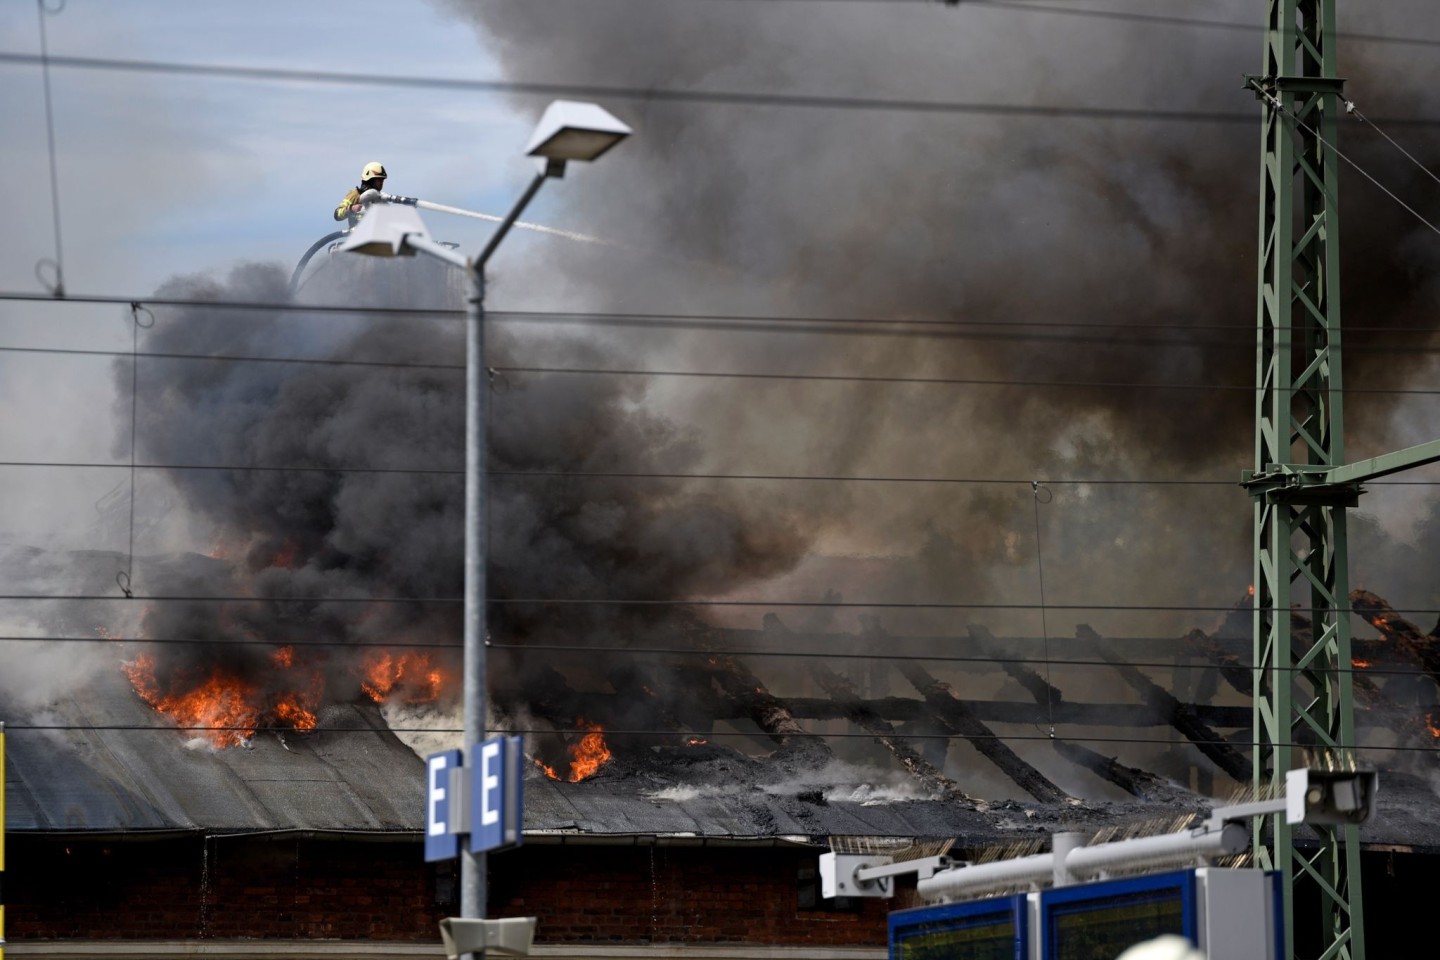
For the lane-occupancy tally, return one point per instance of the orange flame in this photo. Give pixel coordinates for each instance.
(1250, 590)
(223, 703)
(292, 709)
(1431, 725)
(297, 707)
(696, 742)
(587, 755)
(230, 707)
(383, 672)
(1361, 664)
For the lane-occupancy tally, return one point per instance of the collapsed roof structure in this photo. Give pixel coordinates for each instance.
(730, 759)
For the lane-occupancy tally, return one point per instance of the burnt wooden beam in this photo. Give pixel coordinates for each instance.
(885, 733)
(700, 705)
(956, 715)
(845, 695)
(731, 679)
(1202, 735)
(909, 709)
(1037, 686)
(1419, 648)
(1378, 709)
(1232, 662)
(1126, 778)
(1134, 781)
(946, 646)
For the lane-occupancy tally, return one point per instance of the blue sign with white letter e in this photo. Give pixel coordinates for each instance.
(496, 794)
(440, 843)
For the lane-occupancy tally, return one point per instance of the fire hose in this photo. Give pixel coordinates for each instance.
(461, 212)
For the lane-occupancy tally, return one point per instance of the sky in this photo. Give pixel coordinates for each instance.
(163, 176)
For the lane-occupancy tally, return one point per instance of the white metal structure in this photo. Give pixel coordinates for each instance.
(1311, 796)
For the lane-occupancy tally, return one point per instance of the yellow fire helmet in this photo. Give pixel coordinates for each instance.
(372, 171)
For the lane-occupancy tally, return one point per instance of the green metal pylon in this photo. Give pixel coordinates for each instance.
(1303, 691)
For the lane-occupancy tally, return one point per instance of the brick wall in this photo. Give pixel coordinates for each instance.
(221, 888)
(677, 895)
(287, 888)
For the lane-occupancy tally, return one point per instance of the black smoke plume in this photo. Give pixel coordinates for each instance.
(339, 500)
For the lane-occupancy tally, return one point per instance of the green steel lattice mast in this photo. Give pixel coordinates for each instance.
(1302, 692)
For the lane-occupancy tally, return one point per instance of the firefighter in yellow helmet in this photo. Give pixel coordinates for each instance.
(372, 177)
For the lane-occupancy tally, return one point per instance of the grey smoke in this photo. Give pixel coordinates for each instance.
(999, 220)
(795, 212)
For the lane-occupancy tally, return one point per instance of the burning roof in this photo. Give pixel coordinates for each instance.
(732, 758)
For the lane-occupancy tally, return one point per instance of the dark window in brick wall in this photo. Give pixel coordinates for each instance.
(807, 895)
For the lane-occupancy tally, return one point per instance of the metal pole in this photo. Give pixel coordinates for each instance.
(472, 865)
(555, 168)
(477, 402)
(477, 399)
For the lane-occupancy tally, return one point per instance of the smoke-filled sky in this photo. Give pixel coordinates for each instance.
(216, 185)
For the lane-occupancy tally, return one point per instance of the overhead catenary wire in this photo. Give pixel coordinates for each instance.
(675, 603)
(57, 287)
(877, 327)
(689, 374)
(1035, 490)
(125, 578)
(607, 475)
(621, 92)
(1280, 106)
(1354, 111)
(655, 475)
(1123, 16)
(640, 732)
(932, 381)
(702, 653)
(648, 94)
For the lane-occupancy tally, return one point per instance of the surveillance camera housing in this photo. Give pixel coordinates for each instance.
(1330, 796)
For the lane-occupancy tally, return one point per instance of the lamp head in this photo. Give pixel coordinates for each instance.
(383, 231)
(572, 130)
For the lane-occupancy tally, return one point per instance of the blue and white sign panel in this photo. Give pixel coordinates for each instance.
(440, 842)
(497, 794)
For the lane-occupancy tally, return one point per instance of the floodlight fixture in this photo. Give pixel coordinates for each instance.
(573, 130)
(385, 230)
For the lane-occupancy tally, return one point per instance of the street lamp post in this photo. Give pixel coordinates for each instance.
(567, 131)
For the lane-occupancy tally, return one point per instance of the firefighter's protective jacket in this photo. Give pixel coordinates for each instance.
(342, 212)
